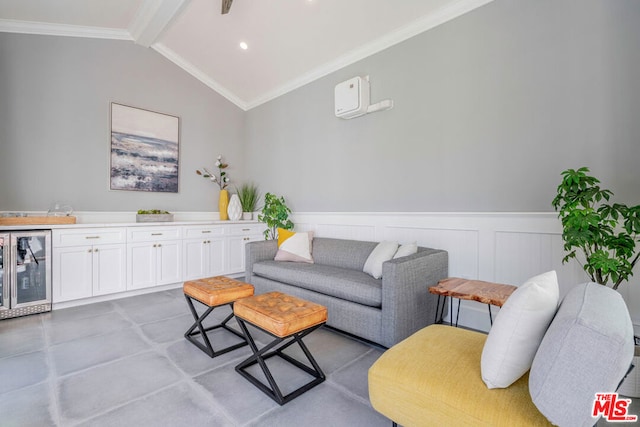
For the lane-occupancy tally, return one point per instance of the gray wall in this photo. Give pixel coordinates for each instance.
(489, 109)
(55, 95)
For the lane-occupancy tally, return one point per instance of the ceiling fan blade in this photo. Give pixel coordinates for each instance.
(226, 6)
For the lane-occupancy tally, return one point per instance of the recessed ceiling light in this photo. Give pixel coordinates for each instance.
(244, 46)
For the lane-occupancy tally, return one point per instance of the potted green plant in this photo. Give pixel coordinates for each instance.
(602, 236)
(275, 214)
(249, 197)
(153, 215)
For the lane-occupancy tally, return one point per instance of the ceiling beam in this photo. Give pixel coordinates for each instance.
(152, 18)
(226, 6)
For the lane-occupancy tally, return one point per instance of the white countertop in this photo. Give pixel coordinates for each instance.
(126, 219)
(117, 224)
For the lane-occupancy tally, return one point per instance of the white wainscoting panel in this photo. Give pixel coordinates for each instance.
(496, 247)
(462, 245)
(520, 256)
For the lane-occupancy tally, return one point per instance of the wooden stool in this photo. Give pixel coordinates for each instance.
(286, 318)
(214, 292)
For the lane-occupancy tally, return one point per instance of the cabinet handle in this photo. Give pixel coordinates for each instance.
(95, 250)
(246, 238)
(206, 231)
(156, 234)
(155, 245)
(246, 229)
(90, 250)
(92, 237)
(159, 245)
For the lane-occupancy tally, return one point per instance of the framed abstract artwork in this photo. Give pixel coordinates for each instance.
(145, 149)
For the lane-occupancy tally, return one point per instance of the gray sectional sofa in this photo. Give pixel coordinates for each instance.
(384, 311)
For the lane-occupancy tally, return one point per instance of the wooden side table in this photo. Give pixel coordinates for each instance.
(475, 290)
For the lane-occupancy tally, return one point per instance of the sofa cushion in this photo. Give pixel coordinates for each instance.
(344, 283)
(518, 329)
(586, 350)
(294, 246)
(433, 378)
(342, 253)
(406, 250)
(383, 252)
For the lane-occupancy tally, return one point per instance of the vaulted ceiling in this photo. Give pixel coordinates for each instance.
(286, 43)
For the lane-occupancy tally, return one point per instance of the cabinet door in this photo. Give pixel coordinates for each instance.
(195, 259)
(169, 258)
(217, 256)
(109, 272)
(141, 265)
(235, 252)
(72, 273)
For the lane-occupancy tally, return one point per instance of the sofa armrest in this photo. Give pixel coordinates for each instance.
(258, 251)
(407, 305)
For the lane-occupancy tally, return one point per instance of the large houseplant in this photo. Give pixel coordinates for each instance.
(602, 236)
(275, 214)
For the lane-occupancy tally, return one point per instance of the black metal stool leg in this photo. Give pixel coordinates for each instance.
(490, 317)
(260, 355)
(202, 331)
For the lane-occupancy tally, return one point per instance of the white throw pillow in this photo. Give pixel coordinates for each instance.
(518, 330)
(384, 251)
(406, 250)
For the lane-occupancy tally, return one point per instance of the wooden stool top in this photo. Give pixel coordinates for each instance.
(475, 290)
(219, 290)
(279, 313)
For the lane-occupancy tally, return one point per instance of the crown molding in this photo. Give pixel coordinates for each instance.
(198, 74)
(155, 15)
(428, 22)
(42, 28)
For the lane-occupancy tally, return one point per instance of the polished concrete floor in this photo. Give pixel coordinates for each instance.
(126, 363)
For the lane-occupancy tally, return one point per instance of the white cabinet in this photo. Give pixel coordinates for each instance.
(203, 251)
(88, 262)
(154, 256)
(238, 235)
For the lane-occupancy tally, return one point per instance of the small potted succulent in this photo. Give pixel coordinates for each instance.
(153, 215)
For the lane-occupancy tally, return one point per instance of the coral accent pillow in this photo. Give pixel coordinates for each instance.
(518, 330)
(384, 251)
(294, 247)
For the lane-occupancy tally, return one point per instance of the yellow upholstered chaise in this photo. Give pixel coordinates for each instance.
(433, 379)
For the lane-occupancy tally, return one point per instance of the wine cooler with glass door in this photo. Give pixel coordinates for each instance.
(25, 273)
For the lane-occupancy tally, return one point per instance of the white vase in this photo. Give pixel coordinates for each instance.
(235, 208)
(247, 216)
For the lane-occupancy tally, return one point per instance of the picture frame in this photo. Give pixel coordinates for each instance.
(145, 150)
